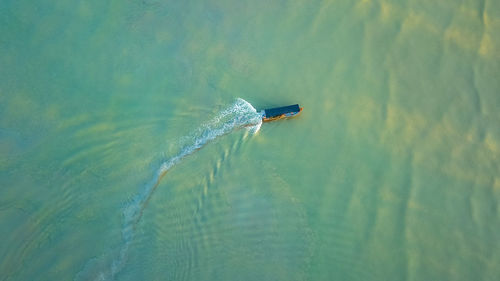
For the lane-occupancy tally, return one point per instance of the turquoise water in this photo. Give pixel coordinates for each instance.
(130, 149)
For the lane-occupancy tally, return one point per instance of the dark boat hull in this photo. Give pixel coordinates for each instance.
(277, 113)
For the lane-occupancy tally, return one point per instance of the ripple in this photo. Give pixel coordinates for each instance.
(240, 114)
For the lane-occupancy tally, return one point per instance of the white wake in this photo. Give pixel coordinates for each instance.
(240, 114)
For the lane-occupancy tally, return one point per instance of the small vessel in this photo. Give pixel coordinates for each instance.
(276, 113)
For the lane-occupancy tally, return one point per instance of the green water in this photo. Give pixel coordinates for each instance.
(391, 172)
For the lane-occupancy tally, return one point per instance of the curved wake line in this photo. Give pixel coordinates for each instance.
(240, 114)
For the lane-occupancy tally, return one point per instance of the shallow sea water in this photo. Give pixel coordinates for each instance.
(391, 172)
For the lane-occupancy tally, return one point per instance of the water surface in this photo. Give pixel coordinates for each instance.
(390, 173)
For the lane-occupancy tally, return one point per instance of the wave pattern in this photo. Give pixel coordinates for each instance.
(238, 115)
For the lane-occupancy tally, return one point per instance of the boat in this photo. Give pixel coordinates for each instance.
(277, 113)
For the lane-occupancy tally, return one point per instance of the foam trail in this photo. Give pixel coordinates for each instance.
(240, 114)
